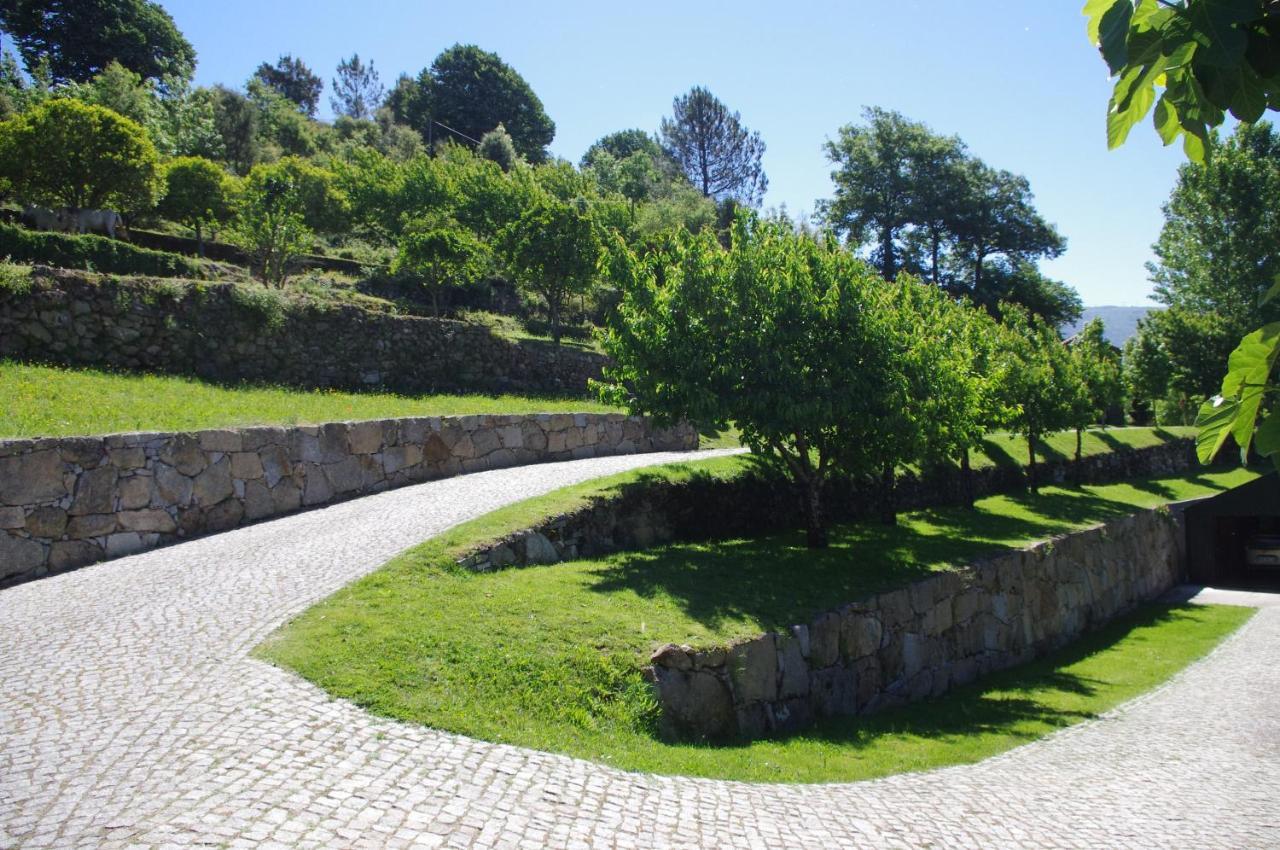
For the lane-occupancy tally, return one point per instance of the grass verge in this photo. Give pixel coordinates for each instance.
(550, 657)
(50, 401)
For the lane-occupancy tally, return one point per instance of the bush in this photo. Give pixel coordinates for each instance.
(96, 253)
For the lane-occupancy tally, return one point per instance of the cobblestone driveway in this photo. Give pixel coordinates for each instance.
(131, 716)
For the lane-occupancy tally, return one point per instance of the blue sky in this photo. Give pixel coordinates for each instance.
(1014, 78)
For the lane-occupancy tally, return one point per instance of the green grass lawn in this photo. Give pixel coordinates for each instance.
(49, 401)
(550, 657)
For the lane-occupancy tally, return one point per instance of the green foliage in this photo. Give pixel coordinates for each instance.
(622, 144)
(357, 93)
(1100, 387)
(235, 119)
(73, 41)
(198, 192)
(472, 91)
(496, 146)
(925, 205)
(293, 80)
(282, 129)
(797, 344)
(271, 219)
(441, 254)
(64, 153)
(268, 306)
(720, 156)
(15, 279)
(1204, 58)
(1035, 380)
(553, 250)
(95, 253)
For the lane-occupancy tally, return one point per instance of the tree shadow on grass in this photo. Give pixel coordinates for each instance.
(999, 455)
(1023, 702)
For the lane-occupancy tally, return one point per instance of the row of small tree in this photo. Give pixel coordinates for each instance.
(827, 369)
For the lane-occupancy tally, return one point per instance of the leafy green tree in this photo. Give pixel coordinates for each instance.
(890, 174)
(197, 193)
(270, 222)
(496, 145)
(123, 92)
(1098, 386)
(236, 120)
(64, 153)
(77, 39)
(622, 144)
(1017, 281)
(324, 207)
(441, 254)
(720, 156)
(789, 339)
(995, 217)
(470, 91)
(282, 129)
(553, 250)
(294, 81)
(357, 91)
(1036, 381)
(1205, 58)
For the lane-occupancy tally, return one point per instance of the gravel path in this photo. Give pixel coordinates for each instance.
(131, 716)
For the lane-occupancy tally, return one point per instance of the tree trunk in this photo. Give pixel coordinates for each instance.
(966, 480)
(435, 302)
(200, 239)
(887, 265)
(888, 496)
(814, 522)
(553, 314)
(937, 280)
(1077, 472)
(1031, 463)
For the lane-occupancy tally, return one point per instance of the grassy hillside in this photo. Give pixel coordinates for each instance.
(53, 401)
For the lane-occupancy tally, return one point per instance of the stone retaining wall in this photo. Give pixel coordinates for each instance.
(66, 502)
(922, 640)
(707, 508)
(230, 333)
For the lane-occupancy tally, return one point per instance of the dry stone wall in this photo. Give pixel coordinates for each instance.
(922, 640)
(217, 331)
(708, 508)
(66, 502)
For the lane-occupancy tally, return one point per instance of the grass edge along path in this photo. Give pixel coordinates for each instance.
(561, 672)
(56, 401)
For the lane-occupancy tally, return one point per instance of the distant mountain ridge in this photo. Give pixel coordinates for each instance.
(1120, 322)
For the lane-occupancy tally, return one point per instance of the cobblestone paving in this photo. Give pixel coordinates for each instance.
(131, 716)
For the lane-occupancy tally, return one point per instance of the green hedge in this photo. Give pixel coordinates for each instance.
(90, 252)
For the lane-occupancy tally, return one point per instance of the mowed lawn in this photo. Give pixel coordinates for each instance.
(49, 401)
(550, 657)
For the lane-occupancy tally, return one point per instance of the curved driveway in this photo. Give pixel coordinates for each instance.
(132, 716)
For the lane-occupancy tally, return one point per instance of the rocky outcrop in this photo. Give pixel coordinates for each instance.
(227, 332)
(919, 641)
(66, 502)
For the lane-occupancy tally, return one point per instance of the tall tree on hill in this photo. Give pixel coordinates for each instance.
(995, 217)
(620, 145)
(717, 153)
(77, 39)
(892, 173)
(470, 91)
(294, 81)
(357, 91)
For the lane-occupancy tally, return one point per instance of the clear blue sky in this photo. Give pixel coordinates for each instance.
(1014, 78)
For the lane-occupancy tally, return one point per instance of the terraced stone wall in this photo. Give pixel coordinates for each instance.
(229, 333)
(66, 502)
(920, 641)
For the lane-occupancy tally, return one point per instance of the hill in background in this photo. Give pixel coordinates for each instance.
(1121, 322)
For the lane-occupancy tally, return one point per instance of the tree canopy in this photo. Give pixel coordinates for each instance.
(471, 91)
(77, 39)
(357, 90)
(64, 153)
(294, 81)
(720, 156)
(923, 204)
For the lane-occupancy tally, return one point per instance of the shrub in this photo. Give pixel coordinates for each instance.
(64, 153)
(92, 252)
